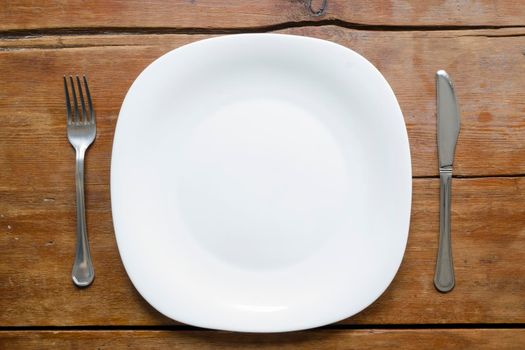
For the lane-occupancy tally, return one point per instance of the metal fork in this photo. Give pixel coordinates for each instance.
(81, 131)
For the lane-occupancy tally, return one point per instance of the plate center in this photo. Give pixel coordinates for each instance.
(261, 183)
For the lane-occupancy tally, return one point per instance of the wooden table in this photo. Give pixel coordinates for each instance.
(480, 43)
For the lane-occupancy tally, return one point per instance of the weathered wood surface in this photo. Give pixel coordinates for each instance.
(443, 339)
(112, 41)
(489, 74)
(157, 14)
(37, 237)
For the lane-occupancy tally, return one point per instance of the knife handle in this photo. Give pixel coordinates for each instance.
(444, 277)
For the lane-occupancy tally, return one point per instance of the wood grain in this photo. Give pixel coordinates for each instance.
(157, 14)
(37, 243)
(488, 73)
(443, 339)
(112, 41)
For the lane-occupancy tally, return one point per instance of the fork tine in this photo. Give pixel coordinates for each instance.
(90, 104)
(84, 118)
(75, 103)
(68, 103)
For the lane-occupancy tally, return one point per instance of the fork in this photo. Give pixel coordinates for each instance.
(81, 131)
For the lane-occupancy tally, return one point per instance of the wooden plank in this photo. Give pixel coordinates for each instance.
(488, 73)
(27, 14)
(373, 339)
(37, 210)
(37, 244)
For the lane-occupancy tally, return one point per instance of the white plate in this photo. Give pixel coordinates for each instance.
(261, 183)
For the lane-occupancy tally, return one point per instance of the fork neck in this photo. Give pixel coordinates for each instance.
(80, 151)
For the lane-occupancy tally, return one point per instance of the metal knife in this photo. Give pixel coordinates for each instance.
(448, 125)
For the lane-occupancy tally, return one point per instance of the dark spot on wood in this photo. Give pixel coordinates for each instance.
(489, 259)
(48, 243)
(485, 117)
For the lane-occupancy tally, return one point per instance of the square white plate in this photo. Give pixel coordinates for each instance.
(261, 183)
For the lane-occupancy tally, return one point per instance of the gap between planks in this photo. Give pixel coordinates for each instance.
(335, 326)
(22, 33)
(471, 176)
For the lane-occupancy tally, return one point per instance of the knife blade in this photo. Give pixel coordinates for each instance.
(448, 126)
(448, 119)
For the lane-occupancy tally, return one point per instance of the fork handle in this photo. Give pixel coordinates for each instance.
(83, 272)
(444, 277)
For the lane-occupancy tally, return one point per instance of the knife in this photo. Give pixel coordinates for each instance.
(448, 125)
